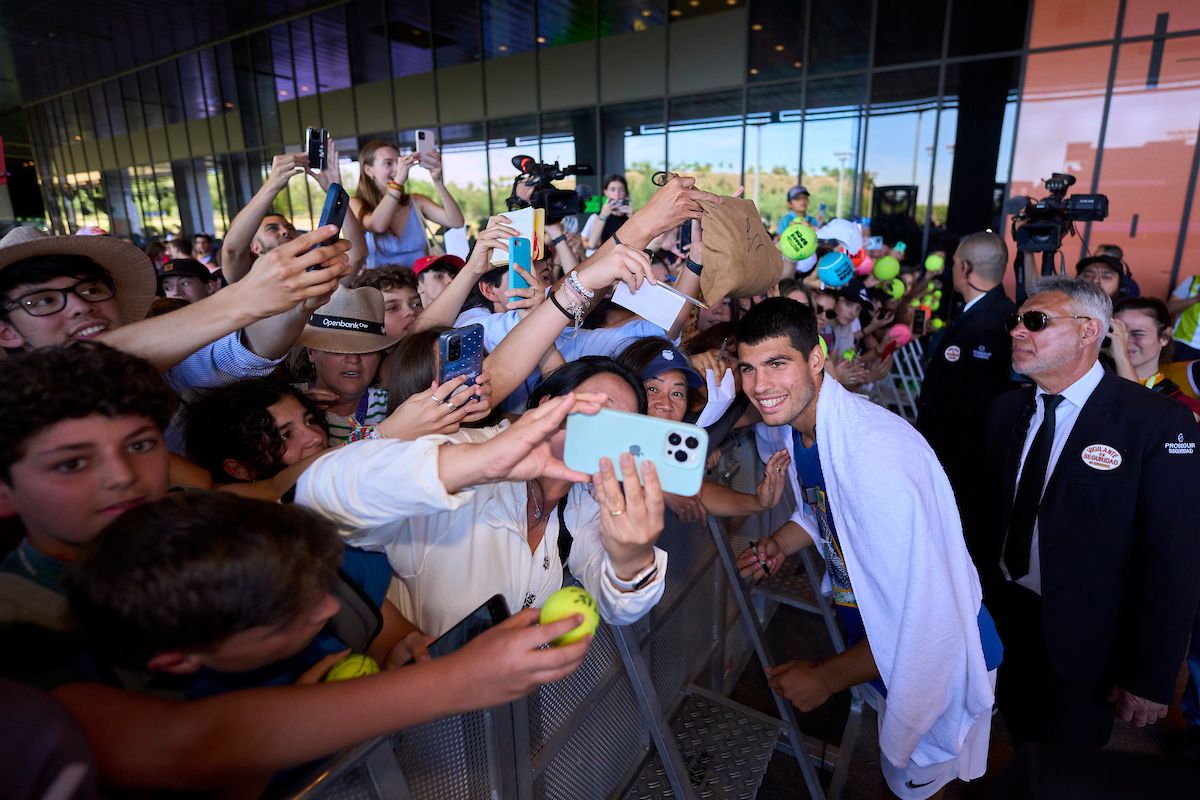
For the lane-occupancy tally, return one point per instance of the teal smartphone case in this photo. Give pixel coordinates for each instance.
(677, 449)
(519, 253)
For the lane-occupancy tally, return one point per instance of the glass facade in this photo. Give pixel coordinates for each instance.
(963, 106)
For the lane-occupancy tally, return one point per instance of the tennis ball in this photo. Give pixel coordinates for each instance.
(937, 294)
(886, 268)
(354, 665)
(900, 333)
(824, 347)
(895, 288)
(848, 355)
(566, 602)
(798, 242)
(916, 302)
(935, 263)
(938, 323)
(835, 269)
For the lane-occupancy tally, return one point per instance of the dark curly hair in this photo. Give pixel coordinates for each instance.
(191, 570)
(233, 422)
(387, 279)
(46, 386)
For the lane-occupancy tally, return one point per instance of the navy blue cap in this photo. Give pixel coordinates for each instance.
(668, 359)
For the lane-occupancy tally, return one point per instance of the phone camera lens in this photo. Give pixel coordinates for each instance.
(693, 442)
(675, 439)
(681, 456)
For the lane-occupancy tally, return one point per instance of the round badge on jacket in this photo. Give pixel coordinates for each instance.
(953, 353)
(1101, 457)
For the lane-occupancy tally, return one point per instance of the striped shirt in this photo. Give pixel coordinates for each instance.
(372, 409)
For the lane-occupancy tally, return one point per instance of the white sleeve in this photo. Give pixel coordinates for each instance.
(375, 483)
(587, 226)
(590, 564)
(1183, 289)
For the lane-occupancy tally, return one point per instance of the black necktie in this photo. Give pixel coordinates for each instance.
(1029, 493)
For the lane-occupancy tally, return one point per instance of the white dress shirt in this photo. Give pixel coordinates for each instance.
(1074, 396)
(454, 551)
(967, 307)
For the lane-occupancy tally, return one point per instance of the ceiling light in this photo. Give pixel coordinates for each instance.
(778, 48)
(304, 87)
(756, 26)
(78, 138)
(283, 92)
(797, 64)
(731, 2)
(503, 48)
(693, 3)
(753, 71)
(646, 12)
(675, 12)
(229, 104)
(541, 40)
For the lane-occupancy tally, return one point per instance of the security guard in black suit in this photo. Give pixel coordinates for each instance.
(1092, 561)
(970, 366)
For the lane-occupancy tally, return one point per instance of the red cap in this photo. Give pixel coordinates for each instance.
(425, 262)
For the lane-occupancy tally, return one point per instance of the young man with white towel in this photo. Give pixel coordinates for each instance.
(880, 509)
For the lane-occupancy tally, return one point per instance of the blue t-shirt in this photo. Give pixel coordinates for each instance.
(812, 485)
(792, 216)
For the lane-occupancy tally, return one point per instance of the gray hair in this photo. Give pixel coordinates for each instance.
(1087, 299)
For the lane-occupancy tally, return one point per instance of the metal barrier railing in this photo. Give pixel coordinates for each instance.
(645, 715)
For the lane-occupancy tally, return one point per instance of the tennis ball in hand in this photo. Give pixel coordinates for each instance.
(354, 665)
(886, 268)
(798, 242)
(935, 263)
(566, 602)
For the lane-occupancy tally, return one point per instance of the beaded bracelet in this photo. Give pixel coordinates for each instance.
(578, 286)
(363, 432)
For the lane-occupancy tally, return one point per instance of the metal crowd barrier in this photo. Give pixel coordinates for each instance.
(645, 715)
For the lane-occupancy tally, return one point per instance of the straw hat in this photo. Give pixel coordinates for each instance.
(351, 322)
(133, 276)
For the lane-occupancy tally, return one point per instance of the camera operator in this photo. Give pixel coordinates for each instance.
(1039, 226)
(616, 209)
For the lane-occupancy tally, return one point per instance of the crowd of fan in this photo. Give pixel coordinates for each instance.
(227, 463)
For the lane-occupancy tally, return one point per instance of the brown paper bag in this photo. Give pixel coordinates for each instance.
(740, 260)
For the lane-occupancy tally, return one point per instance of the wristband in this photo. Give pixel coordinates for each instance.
(557, 240)
(559, 306)
(693, 266)
(637, 582)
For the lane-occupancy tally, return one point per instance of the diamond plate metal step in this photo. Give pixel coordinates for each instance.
(790, 586)
(726, 748)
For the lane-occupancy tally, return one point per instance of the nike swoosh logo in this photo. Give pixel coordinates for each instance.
(912, 785)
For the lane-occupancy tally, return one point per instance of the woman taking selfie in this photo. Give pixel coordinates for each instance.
(393, 218)
(1141, 341)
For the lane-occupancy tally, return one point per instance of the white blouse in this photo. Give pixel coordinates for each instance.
(454, 551)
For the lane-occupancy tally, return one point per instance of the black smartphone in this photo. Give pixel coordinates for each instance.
(334, 213)
(493, 611)
(316, 145)
(918, 326)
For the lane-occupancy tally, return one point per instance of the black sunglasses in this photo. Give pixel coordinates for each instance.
(1033, 321)
(829, 312)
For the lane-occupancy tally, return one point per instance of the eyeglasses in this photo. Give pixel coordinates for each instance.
(829, 312)
(45, 302)
(1033, 321)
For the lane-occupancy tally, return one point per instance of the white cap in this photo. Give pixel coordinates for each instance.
(805, 265)
(844, 231)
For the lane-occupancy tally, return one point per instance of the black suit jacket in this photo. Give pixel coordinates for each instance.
(1119, 548)
(958, 392)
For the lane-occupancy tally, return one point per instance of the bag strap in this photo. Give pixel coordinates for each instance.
(565, 539)
(358, 621)
(432, 248)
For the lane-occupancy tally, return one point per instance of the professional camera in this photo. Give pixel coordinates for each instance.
(1048, 220)
(559, 203)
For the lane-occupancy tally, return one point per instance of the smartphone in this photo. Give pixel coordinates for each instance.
(491, 612)
(316, 145)
(874, 243)
(425, 143)
(334, 213)
(678, 450)
(919, 320)
(519, 254)
(460, 352)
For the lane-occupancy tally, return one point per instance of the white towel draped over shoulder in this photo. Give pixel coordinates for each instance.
(916, 587)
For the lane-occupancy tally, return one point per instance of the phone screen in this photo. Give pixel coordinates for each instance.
(493, 611)
(918, 325)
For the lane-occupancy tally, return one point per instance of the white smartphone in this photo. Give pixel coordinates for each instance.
(425, 142)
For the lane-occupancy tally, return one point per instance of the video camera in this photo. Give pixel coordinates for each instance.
(559, 203)
(1048, 220)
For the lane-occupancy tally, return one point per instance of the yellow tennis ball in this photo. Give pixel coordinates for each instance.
(886, 268)
(566, 602)
(354, 665)
(798, 242)
(935, 263)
